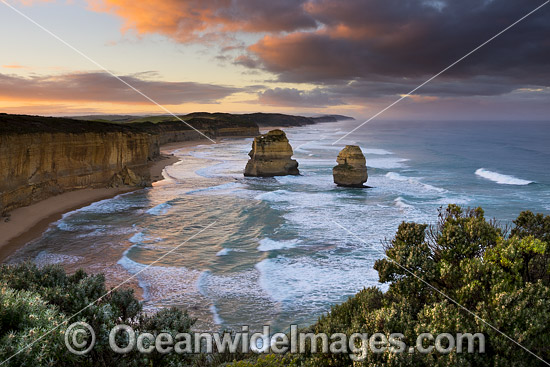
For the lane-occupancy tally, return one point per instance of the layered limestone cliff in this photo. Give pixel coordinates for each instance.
(271, 156)
(34, 167)
(351, 170)
(175, 131)
(44, 156)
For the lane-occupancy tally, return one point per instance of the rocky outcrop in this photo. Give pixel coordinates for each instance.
(127, 177)
(351, 170)
(271, 155)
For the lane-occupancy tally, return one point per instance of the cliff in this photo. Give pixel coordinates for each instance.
(174, 131)
(45, 156)
(41, 157)
(259, 119)
(271, 156)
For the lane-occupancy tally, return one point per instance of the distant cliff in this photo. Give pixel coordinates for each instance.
(270, 119)
(259, 119)
(45, 156)
(174, 131)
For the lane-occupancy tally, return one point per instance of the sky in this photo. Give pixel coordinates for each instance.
(352, 57)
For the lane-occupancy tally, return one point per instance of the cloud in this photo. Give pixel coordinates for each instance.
(397, 44)
(206, 20)
(103, 87)
(290, 97)
(14, 66)
(386, 45)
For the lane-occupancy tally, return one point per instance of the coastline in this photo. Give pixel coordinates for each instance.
(30, 222)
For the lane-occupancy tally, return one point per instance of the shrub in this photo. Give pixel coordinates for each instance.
(34, 300)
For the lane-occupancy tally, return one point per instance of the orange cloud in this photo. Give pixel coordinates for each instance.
(203, 20)
(14, 66)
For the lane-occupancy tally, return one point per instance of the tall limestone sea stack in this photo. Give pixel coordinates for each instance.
(351, 170)
(271, 155)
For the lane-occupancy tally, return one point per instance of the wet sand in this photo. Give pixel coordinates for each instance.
(28, 223)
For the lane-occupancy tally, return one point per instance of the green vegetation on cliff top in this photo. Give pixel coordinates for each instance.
(502, 276)
(26, 124)
(262, 119)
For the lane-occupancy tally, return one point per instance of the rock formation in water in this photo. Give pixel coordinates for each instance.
(271, 155)
(351, 170)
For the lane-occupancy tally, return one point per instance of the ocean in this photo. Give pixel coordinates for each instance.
(275, 252)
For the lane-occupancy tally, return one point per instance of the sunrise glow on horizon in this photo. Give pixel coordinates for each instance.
(301, 57)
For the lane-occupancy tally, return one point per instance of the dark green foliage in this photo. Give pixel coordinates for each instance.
(26, 124)
(34, 301)
(464, 258)
(502, 280)
(529, 224)
(433, 274)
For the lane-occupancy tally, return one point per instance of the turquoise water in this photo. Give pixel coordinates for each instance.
(275, 252)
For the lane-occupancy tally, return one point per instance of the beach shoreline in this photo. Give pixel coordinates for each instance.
(28, 223)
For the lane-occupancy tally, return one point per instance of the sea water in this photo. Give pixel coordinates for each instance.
(281, 251)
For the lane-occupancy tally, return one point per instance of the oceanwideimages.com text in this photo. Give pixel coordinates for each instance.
(80, 339)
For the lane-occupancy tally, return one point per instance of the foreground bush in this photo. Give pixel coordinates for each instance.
(503, 279)
(33, 301)
(434, 276)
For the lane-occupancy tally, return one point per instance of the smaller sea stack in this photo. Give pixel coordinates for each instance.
(271, 156)
(351, 170)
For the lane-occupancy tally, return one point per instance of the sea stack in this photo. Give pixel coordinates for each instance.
(351, 170)
(271, 156)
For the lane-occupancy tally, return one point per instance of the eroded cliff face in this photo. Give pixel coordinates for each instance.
(271, 156)
(45, 156)
(36, 166)
(175, 131)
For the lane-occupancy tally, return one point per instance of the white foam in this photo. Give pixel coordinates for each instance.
(277, 195)
(225, 186)
(500, 178)
(223, 252)
(386, 163)
(458, 200)
(401, 204)
(267, 244)
(160, 209)
(161, 282)
(216, 316)
(310, 145)
(306, 282)
(48, 258)
(64, 226)
(112, 205)
(397, 177)
(138, 238)
(376, 151)
(236, 291)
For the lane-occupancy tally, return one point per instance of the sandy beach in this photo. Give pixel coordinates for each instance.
(28, 223)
